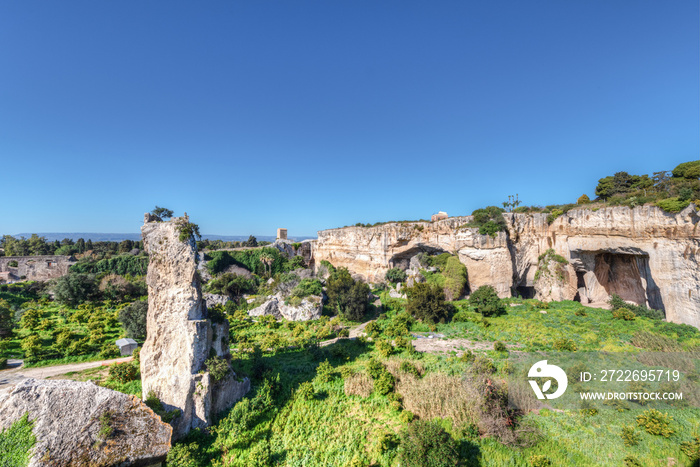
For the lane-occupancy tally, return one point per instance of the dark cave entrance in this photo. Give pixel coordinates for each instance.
(629, 276)
(525, 291)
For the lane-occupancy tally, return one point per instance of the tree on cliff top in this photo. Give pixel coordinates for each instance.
(162, 213)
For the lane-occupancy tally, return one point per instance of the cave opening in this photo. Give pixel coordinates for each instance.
(628, 276)
(525, 291)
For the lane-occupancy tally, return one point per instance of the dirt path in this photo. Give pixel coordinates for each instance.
(15, 375)
(354, 333)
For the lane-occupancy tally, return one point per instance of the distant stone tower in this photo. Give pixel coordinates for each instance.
(180, 335)
(281, 234)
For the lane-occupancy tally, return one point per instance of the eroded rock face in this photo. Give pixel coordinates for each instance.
(310, 308)
(643, 254)
(180, 337)
(66, 416)
(371, 251)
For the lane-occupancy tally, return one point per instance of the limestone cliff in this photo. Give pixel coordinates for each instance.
(180, 335)
(643, 254)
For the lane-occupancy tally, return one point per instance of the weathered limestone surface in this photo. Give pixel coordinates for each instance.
(371, 251)
(180, 337)
(310, 308)
(36, 268)
(643, 254)
(66, 416)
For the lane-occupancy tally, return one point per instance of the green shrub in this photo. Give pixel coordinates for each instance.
(73, 289)
(499, 346)
(384, 348)
(325, 372)
(630, 436)
(427, 303)
(563, 344)
(123, 372)
(16, 443)
(692, 448)
(631, 461)
(395, 275)
(489, 220)
(455, 278)
(538, 460)
(485, 301)
(406, 417)
(3, 363)
(217, 367)
(583, 199)
(672, 204)
(384, 384)
(408, 367)
(553, 215)
(187, 230)
(374, 368)
(106, 429)
(120, 265)
(133, 318)
(656, 423)
(624, 314)
(427, 444)
(347, 296)
(305, 391)
(308, 287)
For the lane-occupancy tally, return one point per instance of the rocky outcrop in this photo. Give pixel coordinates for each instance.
(180, 337)
(309, 308)
(644, 254)
(371, 251)
(69, 420)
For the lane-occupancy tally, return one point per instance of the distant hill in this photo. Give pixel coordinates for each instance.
(118, 237)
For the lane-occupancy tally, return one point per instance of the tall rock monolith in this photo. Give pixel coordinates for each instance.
(181, 335)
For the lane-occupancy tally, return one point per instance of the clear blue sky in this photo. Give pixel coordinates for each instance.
(253, 115)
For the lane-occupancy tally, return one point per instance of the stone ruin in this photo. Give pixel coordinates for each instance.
(181, 337)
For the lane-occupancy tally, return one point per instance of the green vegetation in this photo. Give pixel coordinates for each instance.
(133, 318)
(628, 310)
(347, 296)
(16, 443)
(455, 278)
(122, 265)
(427, 303)
(395, 275)
(485, 301)
(162, 213)
(250, 259)
(123, 372)
(188, 231)
(232, 285)
(488, 220)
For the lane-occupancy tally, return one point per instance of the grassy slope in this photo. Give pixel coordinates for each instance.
(337, 429)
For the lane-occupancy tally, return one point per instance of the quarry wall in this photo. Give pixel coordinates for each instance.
(643, 254)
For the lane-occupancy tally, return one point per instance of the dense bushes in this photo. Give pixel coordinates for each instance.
(133, 318)
(485, 301)
(232, 285)
(250, 259)
(74, 289)
(617, 303)
(395, 275)
(489, 220)
(427, 444)
(346, 295)
(427, 303)
(121, 265)
(455, 278)
(307, 287)
(123, 372)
